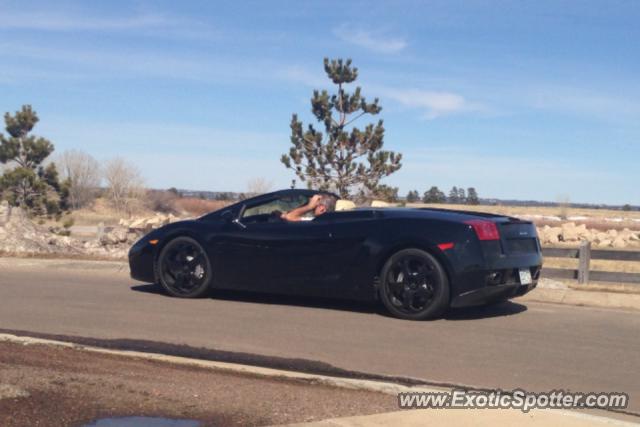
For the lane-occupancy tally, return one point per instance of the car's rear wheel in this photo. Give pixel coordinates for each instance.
(414, 285)
(183, 268)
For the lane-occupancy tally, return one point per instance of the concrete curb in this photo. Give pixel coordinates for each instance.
(591, 298)
(414, 417)
(64, 263)
(354, 384)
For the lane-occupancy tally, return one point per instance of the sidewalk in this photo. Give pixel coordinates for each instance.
(472, 417)
(607, 296)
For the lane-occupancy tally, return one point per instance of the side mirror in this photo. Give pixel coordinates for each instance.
(229, 217)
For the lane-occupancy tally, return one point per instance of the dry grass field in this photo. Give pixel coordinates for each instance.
(600, 219)
(537, 210)
(102, 212)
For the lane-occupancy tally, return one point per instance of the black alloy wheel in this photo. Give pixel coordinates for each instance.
(183, 268)
(414, 285)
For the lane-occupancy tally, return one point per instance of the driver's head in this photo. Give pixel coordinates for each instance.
(325, 204)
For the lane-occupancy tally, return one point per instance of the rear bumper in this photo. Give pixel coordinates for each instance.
(489, 294)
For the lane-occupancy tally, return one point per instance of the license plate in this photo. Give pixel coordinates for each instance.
(525, 276)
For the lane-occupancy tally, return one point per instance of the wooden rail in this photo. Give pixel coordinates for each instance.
(584, 274)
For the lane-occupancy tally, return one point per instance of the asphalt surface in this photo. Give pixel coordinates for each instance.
(533, 346)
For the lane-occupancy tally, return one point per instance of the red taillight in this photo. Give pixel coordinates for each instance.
(485, 230)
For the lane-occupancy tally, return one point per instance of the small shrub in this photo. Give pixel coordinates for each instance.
(161, 201)
(196, 207)
(68, 222)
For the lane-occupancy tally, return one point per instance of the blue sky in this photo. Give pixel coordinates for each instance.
(521, 99)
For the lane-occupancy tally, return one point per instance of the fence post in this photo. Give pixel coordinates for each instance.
(584, 255)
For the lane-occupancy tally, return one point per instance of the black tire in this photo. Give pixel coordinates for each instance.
(414, 285)
(183, 268)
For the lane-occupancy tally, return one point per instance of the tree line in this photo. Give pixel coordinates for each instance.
(42, 187)
(457, 195)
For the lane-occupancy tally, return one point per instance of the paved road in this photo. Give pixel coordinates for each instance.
(533, 346)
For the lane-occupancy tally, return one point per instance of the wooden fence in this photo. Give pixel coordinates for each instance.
(584, 274)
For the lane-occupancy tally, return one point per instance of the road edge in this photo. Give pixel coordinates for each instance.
(350, 383)
(400, 417)
(587, 298)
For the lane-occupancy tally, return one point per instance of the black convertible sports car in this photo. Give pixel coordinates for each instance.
(418, 262)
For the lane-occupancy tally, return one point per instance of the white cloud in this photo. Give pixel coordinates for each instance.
(368, 40)
(147, 24)
(434, 104)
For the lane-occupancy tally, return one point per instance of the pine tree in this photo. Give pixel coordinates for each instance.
(413, 196)
(343, 158)
(387, 193)
(434, 195)
(454, 195)
(462, 198)
(29, 184)
(472, 196)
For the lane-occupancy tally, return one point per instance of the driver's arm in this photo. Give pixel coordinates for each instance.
(297, 213)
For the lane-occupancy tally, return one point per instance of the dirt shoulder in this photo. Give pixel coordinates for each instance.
(52, 386)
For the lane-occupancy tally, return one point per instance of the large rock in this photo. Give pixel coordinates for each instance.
(552, 234)
(156, 221)
(583, 232)
(569, 232)
(138, 223)
(605, 242)
(109, 239)
(619, 243)
(159, 221)
(120, 234)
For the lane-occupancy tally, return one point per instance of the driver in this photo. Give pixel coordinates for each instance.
(318, 204)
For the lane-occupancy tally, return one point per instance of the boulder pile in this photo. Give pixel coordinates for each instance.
(117, 240)
(18, 234)
(572, 234)
(146, 224)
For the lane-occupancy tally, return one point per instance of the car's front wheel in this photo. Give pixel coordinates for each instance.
(414, 285)
(183, 268)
